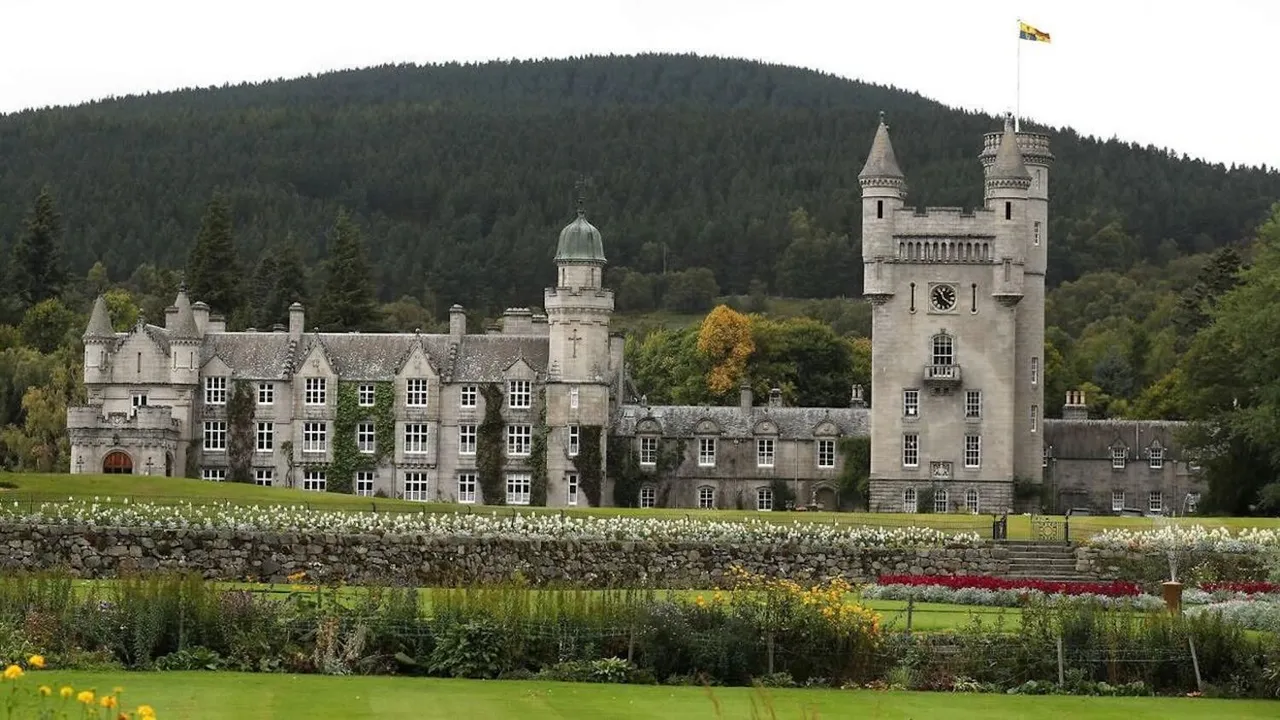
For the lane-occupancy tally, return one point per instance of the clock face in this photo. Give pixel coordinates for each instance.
(943, 297)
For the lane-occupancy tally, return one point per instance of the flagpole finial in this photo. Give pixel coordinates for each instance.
(881, 117)
(1008, 120)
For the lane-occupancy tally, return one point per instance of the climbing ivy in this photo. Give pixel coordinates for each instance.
(240, 435)
(624, 468)
(347, 458)
(855, 471)
(538, 454)
(489, 450)
(589, 463)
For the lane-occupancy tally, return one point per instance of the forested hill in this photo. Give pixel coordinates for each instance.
(463, 175)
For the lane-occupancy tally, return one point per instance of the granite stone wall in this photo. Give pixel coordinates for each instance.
(1193, 567)
(231, 555)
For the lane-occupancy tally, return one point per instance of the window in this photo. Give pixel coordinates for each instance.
(972, 404)
(467, 396)
(1118, 457)
(1035, 370)
(519, 439)
(944, 350)
(1155, 501)
(764, 499)
(648, 496)
(706, 452)
(215, 391)
(416, 487)
(215, 434)
(415, 438)
(571, 489)
(879, 209)
(648, 451)
(313, 480)
(940, 501)
(518, 488)
(519, 394)
(314, 391)
(910, 403)
(764, 452)
(139, 400)
(213, 474)
(971, 500)
(1008, 210)
(466, 439)
(909, 502)
(415, 392)
(315, 437)
(1044, 456)
(467, 488)
(574, 440)
(1035, 236)
(826, 453)
(573, 398)
(266, 436)
(365, 395)
(1117, 500)
(364, 482)
(706, 498)
(266, 393)
(911, 450)
(972, 451)
(367, 438)
(1035, 417)
(264, 477)
(1155, 458)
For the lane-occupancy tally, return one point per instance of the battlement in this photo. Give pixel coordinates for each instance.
(147, 417)
(1034, 147)
(944, 211)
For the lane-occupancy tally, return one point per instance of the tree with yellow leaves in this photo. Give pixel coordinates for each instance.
(725, 341)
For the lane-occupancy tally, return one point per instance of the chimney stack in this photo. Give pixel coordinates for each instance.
(775, 397)
(856, 399)
(1075, 407)
(297, 321)
(217, 323)
(170, 315)
(745, 399)
(201, 311)
(457, 322)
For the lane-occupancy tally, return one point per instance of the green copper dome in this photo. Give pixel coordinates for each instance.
(580, 242)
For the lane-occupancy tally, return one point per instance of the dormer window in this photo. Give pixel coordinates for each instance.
(1119, 455)
(519, 394)
(215, 390)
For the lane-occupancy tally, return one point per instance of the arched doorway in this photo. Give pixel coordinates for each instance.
(117, 463)
(825, 498)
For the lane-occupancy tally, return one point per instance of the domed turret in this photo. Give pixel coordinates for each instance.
(580, 241)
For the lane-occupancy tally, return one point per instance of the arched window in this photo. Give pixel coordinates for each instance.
(648, 496)
(944, 350)
(940, 501)
(909, 502)
(971, 500)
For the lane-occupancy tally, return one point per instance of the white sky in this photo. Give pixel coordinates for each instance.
(1199, 78)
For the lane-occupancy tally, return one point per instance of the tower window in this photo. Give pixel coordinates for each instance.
(944, 352)
(879, 209)
(973, 307)
(1008, 211)
(1035, 238)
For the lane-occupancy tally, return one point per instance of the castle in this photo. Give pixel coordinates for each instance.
(958, 423)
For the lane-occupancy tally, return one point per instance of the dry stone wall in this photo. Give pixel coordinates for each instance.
(231, 555)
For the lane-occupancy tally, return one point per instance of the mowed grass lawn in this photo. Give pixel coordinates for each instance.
(225, 695)
(33, 489)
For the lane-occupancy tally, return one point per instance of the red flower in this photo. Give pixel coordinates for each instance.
(1113, 588)
(1248, 588)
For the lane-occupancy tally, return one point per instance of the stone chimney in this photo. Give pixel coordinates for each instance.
(745, 399)
(457, 322)
(201, 311)
(217, 323)
(1075, 407)
(170, 315)
(856, 399)
(775, 397)
(297, 321)
(540, 325)
(278, 327)
(517, 321)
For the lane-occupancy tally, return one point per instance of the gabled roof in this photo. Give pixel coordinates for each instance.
(486, 358)
(791, 422)
(1093, 439)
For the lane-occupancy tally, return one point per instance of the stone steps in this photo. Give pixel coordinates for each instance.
(1039, 560)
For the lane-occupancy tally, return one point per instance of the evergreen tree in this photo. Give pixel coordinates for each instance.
(37, 272)
(213, 268)
(347, 300)
(261, 289)
(291, 280)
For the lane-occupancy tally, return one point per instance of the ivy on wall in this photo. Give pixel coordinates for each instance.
(194, 449)
(538, 454)
(628, 477)
(855, 472)
(241, 442)
(590, 463)
(347, 458)
(489, 450)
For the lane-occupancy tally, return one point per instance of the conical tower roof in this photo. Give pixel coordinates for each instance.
(882, 164)
(1008, 164)
(184, 322)
(100, 322)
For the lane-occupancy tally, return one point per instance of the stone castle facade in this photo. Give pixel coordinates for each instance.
(958, 337)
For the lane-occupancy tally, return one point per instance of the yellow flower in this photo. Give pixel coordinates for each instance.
(85, 696)
(45, 691)
(146, 713)
(107, 701)
(13, 672)
(700, 601)
(36, 661)
(65, 692)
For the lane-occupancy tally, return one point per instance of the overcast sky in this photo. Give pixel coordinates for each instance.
(1199, 78)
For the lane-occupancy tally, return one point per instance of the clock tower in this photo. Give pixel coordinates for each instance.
(957, 331)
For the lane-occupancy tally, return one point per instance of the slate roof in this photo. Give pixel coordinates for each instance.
(1008, 163)
(1093, 439)
(251, 356)
(100, 321)
(485, 358)
(881, 160)
(792, 422)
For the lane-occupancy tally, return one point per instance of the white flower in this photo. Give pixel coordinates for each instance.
(1193, 537)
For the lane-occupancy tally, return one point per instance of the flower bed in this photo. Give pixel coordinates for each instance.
(534, 526)
(1005, 592)
(1114, 588)
(1245, 588)
(1195, 537)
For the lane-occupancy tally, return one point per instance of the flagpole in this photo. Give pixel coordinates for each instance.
(1017, 93)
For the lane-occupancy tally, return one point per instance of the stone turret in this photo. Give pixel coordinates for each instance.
(883, 190)
(99, 338)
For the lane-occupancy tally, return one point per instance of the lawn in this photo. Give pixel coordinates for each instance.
(32, 489)
(218, 695)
